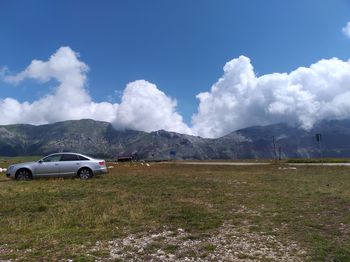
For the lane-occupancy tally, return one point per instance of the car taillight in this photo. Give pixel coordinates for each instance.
(102, 163)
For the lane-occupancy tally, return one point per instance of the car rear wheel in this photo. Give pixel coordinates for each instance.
(85, 173)
(23, 174)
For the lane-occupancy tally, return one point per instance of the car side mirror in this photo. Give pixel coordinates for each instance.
(40, 161)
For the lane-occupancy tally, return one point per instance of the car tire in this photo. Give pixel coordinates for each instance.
(23, 174)
(85, 173)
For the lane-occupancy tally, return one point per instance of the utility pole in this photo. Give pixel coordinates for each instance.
(274, 148)
(279, 153)
(236, 149)
(319, 140)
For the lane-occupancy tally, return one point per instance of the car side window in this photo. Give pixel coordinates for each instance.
(53, 158)
(69, 157)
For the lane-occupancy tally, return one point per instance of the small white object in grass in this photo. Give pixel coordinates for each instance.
(147, 164)
(111, 167)
(1, 169)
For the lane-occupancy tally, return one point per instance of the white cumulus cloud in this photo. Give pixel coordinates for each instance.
(240, 98)
(143, 106)
(346, 30)
(237, 100)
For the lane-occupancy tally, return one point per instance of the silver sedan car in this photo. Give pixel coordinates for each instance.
(59, 165)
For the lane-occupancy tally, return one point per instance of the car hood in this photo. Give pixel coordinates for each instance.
(24, 164)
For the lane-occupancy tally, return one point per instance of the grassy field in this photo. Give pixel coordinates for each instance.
(173, 212)
(318, 160)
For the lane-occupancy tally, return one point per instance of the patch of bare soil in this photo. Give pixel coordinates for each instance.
(5, 250)
(228, 243)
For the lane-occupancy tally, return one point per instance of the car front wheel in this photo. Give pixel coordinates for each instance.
(23, 174)
(85, 173)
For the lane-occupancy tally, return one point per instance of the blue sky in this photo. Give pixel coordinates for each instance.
(181, 46)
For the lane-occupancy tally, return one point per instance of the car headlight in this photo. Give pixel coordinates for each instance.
(10, 168)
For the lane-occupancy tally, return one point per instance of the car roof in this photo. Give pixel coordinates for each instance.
(69, 153)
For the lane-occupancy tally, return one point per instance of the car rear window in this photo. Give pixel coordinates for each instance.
(82, 158)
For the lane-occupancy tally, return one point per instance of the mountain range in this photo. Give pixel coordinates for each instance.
(100, 139)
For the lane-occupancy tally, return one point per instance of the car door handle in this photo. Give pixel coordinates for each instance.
(56, 164)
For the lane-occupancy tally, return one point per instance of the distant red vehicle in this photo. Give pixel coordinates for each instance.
(124, 158)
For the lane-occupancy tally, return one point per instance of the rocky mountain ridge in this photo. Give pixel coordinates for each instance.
(98, 138)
